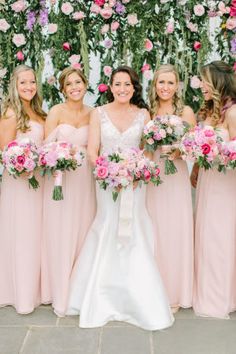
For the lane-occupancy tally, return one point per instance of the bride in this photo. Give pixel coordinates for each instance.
(116, 277)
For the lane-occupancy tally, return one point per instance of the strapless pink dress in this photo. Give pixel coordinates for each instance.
(20, 237)
(170, 208)
(215, 241)
(66, 222)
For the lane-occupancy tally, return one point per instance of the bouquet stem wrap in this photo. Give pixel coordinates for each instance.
(57, 190)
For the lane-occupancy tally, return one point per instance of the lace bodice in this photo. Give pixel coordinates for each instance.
(112, 139)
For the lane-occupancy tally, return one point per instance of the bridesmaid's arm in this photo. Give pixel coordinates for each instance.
(189, 116)
(230, 118)
(7, 128)
(52, 120)
(94, 137)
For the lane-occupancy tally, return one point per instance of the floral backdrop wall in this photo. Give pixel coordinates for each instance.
(140, 33)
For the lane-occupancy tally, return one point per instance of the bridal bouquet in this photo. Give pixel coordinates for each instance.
(227, 156)
(21, 157)
(202, 145)
(164, 130)
(119, 169)
(57, 157)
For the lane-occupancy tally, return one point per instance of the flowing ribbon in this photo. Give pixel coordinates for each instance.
(125, 223)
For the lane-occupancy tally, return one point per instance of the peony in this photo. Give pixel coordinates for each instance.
(19, 39)
(107, 70)
(18, 6)
(52, 28)
(66, 46)
(78, 15)
(199, 10)
(102, 172)
(102, 88)
(4, 25)
(148, 45)
(196, 46)
(132, 19)
(20, 56)
(114, 26)
(67, 8)
(106, 12)
(195, 82)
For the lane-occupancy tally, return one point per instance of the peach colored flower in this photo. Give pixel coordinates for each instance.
(52, 28)
(4, 25)
(19, 39)
(132, 19)
(67, 8)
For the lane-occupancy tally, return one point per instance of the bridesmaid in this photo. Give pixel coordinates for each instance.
(66, 222)
(20, 207)
(215, 253)
(170, 205)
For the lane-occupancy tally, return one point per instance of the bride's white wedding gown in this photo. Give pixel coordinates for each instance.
(116, 277)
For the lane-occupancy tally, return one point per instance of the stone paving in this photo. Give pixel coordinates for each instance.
(43, 333)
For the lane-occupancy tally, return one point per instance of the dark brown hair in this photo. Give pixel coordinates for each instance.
(136, 99)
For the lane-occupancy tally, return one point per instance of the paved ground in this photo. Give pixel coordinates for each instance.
(43, 333)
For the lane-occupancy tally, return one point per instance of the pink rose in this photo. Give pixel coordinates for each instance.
(157, 172)
(4, 25)
(95, 9)
(75, 58)
(107, 70)
(52, 28)
(78, 15)
(101, 161)
(20, 56)
(148, 45)
(205, 149)
(209, 133)
(147, 175)
(132, 19)
(197, 45)
(102, 172)
(114, 26)
(102, 88)
(67, 8)
(66, 46)
(145, 67)
(231, 23)
(19, 39)
(199, 10)
(20, 159)
(18, 6)
(170, 27)
(104, 29)
(106, 12)
(232, 156)
(195, 82)
(99, 2)
(12, 143)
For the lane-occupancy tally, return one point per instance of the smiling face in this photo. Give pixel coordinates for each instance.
(206, 90)
(166, 86)
(122, 87)
(26, 85)
(74, 87)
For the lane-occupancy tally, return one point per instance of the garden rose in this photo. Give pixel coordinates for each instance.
(198, 10)
(20, 56)
(102, 172)
(114, 26)
(52, 28)
(195, 82)
(197, 45)
(67, 8)
(102, 88)
(132, 19)
(99, 2)
(107, 70)
(106, 12)
(231, 23)
(4, 25)
(105, 29)
(148, 45)
(95, 9)
(145, 67)
(18, 6)
(78, 15)
(66, 46)
(21, 159)
(147, 175)
(19, 39)
(205, 149)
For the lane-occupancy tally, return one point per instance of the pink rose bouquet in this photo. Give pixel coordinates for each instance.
(164, 130)
(202, 144)
(227, 159)
(119, 169)
(21, 157)
(57, 157)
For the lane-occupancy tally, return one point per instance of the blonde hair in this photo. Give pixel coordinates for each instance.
(153, 97)
(66, 73)
(221, 79)
(14, 102)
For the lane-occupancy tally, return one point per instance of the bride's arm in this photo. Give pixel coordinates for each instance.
(94, 137)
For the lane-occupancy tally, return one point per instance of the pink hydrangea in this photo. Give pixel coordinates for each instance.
(132, 19)
(4, 25)
(52, 28)
(19, 39)
(67, 8)
(18, 6)
(198, 10)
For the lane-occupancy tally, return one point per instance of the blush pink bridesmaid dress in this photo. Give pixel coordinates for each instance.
(20, 237)
(66, 222)
(170, 208)
(215, 243)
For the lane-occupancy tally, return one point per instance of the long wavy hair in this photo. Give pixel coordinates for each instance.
(136, 99)
(153, 97)
(14, 102)
(221, 79)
